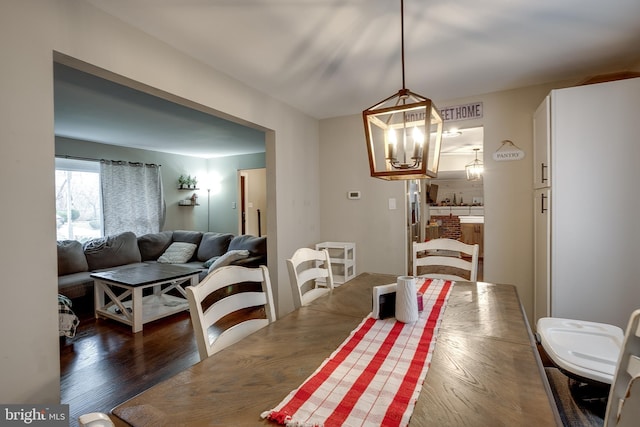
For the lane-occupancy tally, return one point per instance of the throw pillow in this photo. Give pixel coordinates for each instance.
(213, 244)
(71, 258)
(112, 251)
(178, 253)
(228, 258)
(153, 245)
(256, 245)
(210, 261)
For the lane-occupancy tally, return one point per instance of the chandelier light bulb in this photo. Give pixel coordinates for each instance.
(418, 137)
(392, 144)
(418, 141)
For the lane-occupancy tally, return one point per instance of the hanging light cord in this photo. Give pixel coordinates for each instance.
(402, 38)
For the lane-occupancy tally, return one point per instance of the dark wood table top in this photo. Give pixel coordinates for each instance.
(145, 274)
(485, 369)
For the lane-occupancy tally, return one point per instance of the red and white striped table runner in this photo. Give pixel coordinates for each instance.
(375, 376)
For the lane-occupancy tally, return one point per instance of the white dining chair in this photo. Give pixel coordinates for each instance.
(229, 290)
(623, 407)
(95, 419)
(444, 259)
(310, 275)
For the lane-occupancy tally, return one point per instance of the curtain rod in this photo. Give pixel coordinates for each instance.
(89, 159)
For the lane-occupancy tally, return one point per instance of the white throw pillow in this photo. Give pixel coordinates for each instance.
(228, 258)
(178, 253)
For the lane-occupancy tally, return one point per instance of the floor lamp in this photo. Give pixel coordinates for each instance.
(208, 208)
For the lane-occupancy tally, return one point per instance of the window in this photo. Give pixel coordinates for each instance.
(78, 201)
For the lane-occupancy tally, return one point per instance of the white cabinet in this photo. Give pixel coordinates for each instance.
(541, 145)
(586, 257)
(439, 210)
(456, 210)
(541, 206)
(476, 211)
(542, 253)
(460, 210)
(343, 260)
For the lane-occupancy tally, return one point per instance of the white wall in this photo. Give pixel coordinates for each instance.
(30, 31)
(379, 233)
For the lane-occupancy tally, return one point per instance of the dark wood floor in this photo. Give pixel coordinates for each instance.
(106, 364)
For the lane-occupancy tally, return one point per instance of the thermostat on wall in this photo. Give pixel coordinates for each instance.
(353, 195)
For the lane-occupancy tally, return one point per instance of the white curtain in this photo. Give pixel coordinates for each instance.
(132, 197)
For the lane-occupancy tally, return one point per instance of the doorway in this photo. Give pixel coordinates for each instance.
(252, 199)
(455, 204)
(244, 128)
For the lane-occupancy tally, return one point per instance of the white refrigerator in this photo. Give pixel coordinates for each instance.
(587, 203)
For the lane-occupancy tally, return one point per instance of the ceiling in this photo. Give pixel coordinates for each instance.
(332, 58)
(89, 108)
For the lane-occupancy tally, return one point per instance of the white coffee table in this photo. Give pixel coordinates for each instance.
(119, 292)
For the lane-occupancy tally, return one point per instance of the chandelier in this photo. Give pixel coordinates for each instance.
(475, 169)
(403, 133)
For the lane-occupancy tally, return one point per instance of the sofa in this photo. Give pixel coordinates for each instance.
(204, 251)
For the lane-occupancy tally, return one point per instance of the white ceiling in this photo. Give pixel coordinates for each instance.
(338, 57)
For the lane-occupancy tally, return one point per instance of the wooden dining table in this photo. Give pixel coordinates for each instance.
(485, 369)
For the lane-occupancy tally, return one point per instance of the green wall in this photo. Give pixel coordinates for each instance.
(223, 217)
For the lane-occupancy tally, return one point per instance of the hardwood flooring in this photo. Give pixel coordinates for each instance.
(106, 364)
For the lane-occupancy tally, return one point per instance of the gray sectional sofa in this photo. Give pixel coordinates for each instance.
(77, 261)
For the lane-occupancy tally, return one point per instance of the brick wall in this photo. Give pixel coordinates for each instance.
(449, 226)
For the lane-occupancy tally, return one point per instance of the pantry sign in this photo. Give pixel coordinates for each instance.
(508, 151)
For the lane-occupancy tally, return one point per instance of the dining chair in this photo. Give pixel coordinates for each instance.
(623, 399)
(623, 408)
(95, 419)
(446, 259)
(310, 275)
(234, 291)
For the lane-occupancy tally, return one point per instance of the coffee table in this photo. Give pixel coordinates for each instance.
(119, 293)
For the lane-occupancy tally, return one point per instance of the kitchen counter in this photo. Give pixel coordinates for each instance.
(471, 219)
